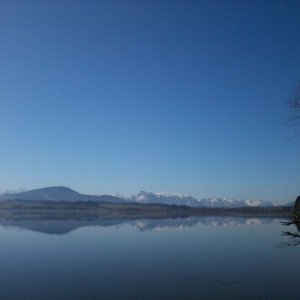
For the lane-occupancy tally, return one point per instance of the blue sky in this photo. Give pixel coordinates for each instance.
(164, 96)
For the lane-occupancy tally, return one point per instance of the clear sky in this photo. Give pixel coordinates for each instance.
(164, 96)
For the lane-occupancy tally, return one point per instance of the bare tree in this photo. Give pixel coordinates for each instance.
(294, 105)
(295, 220)
(294, 236)
(294, 120)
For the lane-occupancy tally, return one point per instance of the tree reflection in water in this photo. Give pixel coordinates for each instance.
(294, 236)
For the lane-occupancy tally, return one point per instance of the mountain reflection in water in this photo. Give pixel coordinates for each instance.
(43, 256)
(63, 224)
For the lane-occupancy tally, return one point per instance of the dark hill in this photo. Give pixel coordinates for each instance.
(58, 193)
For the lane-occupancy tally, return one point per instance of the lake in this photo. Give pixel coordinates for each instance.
(182, 258)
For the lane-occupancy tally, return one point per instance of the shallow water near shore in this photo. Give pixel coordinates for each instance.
(180, 258)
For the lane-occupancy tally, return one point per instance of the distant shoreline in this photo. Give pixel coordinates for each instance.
(126, 210)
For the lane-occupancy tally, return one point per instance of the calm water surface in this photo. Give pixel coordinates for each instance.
(193, 258)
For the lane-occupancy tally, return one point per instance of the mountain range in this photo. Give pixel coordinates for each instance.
(61, 193)
(174, 199)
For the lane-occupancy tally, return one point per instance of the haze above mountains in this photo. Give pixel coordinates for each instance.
(61, 193)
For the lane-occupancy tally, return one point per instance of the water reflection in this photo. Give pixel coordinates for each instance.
(294, 236)
(42, 257)
(62, 223)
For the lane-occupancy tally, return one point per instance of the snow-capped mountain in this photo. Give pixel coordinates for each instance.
(175, 199)
(259, 203)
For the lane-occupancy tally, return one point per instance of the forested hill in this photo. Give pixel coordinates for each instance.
(58, 193)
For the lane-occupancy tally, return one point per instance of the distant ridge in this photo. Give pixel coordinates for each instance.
(62, 193)
(58, 193)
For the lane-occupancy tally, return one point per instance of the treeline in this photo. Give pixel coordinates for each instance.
(142, 209)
